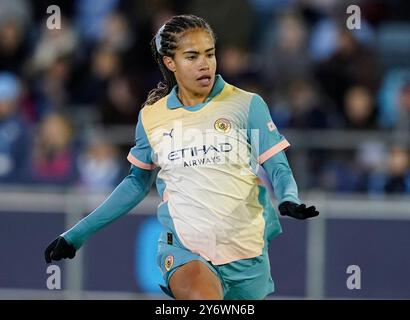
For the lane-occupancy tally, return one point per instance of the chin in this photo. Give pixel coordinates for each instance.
(204, 89)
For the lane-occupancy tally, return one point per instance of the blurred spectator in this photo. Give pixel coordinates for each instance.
(351, 64)
(236, 66)
(369, 158)
(264, 12)
(13, 46)
(284, 54)
(50, 68)
(341, 175)
(324, 40)
(104, 65)
(306, 109)
(393, 45)
(371, 155)
(389, 97)
(398, 175)
(403, 101)
(121, 105)
(350, 171)
(13, 136)
(359, 110)
(53, 155)
(90, 18)
(116, 33)
(51, 88)
(395, 177)
(144, 18)
(99, 166)
(18, 10)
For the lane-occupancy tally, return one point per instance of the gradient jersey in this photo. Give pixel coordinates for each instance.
(208, 155)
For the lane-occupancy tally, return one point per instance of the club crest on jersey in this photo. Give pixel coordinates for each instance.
(222, 125)
(169, 262)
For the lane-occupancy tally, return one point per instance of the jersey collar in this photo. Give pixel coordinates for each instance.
(173, 101)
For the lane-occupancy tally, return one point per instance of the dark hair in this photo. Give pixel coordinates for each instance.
(168, 43)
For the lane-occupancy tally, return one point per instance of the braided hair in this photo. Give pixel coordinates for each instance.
(164, 43)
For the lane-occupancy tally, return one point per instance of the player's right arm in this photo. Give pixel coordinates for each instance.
(131, 191)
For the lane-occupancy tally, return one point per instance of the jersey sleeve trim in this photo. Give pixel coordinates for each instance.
(139, 163)
(282, 145)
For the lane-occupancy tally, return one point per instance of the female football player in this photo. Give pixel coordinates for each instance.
(208, 140)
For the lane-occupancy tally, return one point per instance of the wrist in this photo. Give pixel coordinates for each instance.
(292, 199)
(70, 239)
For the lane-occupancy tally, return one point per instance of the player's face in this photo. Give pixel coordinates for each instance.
(194, 62)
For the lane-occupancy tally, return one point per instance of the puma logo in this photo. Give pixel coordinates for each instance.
(168, 134)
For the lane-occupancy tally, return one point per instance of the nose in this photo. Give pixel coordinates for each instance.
(204, 65)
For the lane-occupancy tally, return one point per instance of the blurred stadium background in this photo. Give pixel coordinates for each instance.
(69, 101)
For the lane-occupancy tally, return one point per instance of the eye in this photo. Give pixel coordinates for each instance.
(210, 55)
(190, 58)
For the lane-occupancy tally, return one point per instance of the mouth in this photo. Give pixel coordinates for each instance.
(204, 80)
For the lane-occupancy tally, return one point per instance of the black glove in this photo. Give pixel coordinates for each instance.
(297, 211)
(59, 249)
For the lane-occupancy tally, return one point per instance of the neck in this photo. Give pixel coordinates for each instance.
(191, 98)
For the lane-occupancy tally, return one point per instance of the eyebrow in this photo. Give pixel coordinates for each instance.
(197, 52)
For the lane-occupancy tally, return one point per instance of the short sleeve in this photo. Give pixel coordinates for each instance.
(141, 154)
(263, 135)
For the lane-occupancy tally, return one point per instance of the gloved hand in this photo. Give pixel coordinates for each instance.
(59, 249)
(297, 211)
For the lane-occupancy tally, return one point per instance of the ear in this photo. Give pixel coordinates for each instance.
(169, 63)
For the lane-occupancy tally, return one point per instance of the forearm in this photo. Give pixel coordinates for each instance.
(126, 196)
(281, 177)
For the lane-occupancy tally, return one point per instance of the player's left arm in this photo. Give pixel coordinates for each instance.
(269, 146)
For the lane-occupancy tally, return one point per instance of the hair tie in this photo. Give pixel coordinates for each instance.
(158, 39)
